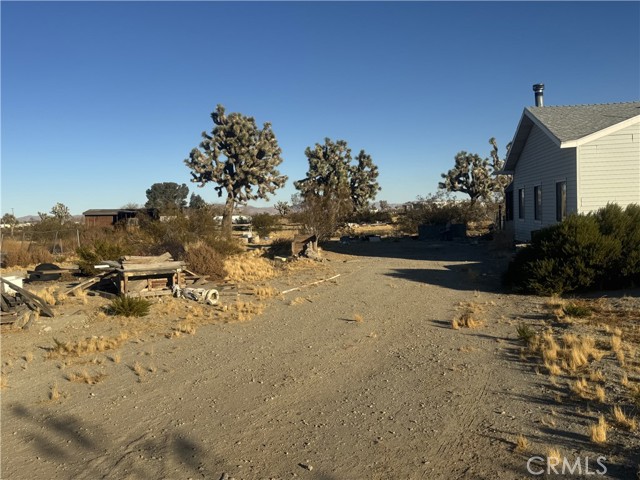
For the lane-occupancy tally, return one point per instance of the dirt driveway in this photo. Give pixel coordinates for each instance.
(303, 390)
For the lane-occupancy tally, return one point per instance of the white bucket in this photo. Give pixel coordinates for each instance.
(15, 279)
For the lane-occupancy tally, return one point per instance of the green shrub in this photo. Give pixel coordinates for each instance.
(577, 311)
(129, 306)
(99, 251)
(525, 333)
(264, 223)
(584, 252)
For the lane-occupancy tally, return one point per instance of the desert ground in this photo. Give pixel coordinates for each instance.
(357, 377)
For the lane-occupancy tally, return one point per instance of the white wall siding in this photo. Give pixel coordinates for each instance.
(609, 170)
(542, 163)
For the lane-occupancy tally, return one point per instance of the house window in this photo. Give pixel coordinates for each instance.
(508, 203)
(537, 202)
(521, 203)
(561, 201)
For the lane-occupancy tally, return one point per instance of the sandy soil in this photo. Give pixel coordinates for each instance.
(303, 390)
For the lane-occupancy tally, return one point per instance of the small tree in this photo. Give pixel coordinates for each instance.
(60, 213)
(9, 219)
(283, 208)
(476, 176)
(196, 202)
(264, 223)
(167, 197)
(240, 157)
(335, 187)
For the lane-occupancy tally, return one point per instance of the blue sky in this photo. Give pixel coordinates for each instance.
(102, 100)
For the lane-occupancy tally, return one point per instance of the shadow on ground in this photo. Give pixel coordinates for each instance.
(458, 265)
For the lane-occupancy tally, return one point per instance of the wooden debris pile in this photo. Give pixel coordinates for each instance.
(141, 276)
(15, 300)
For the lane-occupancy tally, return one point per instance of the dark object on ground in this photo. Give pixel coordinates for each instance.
(45, 272)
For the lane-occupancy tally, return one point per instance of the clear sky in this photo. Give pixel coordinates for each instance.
(100, 100)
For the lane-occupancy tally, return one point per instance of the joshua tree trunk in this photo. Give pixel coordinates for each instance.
(227, 217)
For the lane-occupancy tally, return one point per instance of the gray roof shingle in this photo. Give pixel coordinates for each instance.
(573, 122)
(568, 123)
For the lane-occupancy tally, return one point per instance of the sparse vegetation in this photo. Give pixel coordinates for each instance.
(85, 346)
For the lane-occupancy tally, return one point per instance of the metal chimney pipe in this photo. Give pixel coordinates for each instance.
(538, 88)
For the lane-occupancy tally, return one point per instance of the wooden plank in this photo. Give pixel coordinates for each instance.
(31, 299)
(146, 259)
(87, 283)
(152, 267)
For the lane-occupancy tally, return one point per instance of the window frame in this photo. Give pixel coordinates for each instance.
(561, 200)
(537, 203)
(521, 203)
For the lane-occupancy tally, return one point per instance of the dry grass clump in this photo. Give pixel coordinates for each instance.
(554, 457)
(243, 311)
(80, 294)
(249, 267)
(265, 292)
(522, 444)
(296, 301)
(598, 432)
(181, 328)
(54, 393)
(467, 318)
(137, 369)
(129, 306)
(630, 423)
(358, 318)
(85, 346)
(47, 295)
(556, 306)
(86, 377)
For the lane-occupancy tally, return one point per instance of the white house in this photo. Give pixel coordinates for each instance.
(571, 159)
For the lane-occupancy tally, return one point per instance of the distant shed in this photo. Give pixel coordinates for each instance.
(108, 217)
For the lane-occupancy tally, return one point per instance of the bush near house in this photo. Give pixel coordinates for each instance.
(585, 252)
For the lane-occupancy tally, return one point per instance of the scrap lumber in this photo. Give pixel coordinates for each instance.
(32, 300)
(309, 284)
(150, 259)
(87, 283)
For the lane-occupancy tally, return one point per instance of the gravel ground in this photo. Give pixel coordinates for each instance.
(306, 391)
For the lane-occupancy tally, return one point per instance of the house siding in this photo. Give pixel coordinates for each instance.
(609, 170)
(542, 163)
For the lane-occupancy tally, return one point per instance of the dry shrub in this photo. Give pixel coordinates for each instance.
(54, 394)
(296, 301)
(358, 318)
(85, 346)
(188, 328)
(24, 254)
(630, 423)
(598, 432)
(249, 267)
(554, 457)
(85, 377)
(522, 444)
(465, 319)
(205, 260)
(600, 394)
(81, 294)
(47, 295)
(242, 311)
(137, 369)
(265, 292)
